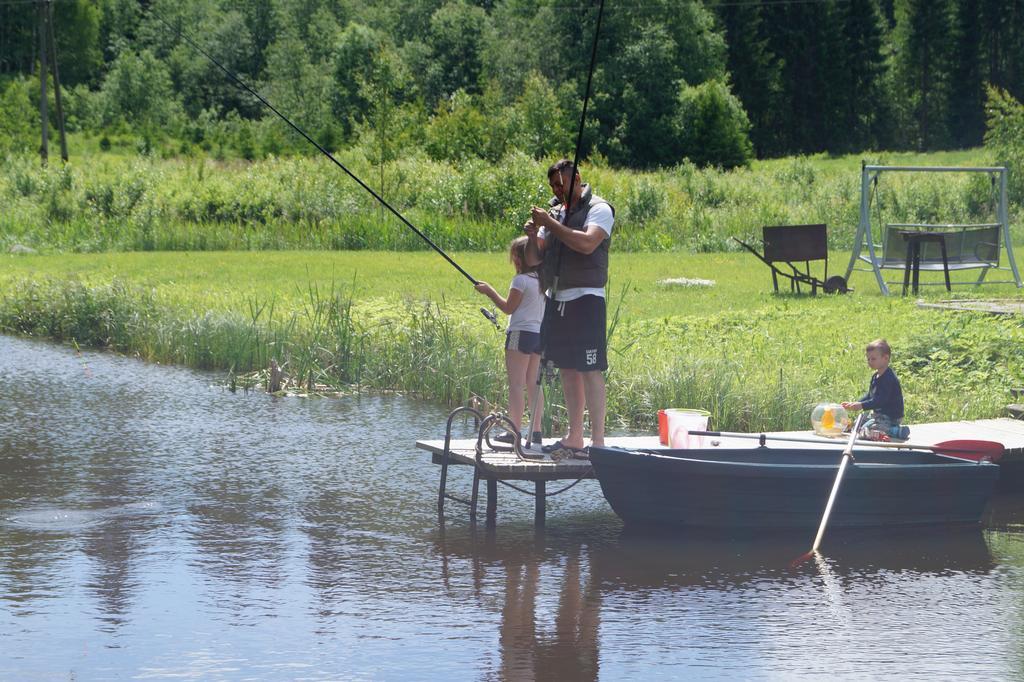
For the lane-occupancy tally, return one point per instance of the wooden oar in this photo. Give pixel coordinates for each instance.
(847, 456)
(971, 450)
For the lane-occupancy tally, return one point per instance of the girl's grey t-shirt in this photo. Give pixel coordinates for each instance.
(527, 317)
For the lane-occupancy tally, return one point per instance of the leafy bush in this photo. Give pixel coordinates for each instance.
(461, 129)
(138, 89)
(1004, 135)
(114, 201)
(541, 124)
(644, 203)
(17, 113)
(712, 126)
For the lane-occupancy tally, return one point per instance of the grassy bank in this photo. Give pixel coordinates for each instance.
(115, 202)
(409, 322)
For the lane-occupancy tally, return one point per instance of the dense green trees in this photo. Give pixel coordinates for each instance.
(756, 74)
(927, 32)
(648, 56)
(1005, 135)
(863, 107)
(713, 82)
(871, 73)
(138, 91)
(77, 32)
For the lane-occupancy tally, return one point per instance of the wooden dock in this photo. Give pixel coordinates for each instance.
(495, 466)
(505, 465)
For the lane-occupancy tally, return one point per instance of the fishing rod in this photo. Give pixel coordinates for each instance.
(549, 307)
(567, 200)
(300, 131)
(490, 316)
(579, 134)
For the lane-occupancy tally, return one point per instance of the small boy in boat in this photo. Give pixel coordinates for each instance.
(884, 396)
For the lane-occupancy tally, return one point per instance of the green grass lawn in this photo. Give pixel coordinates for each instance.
(225, 280)
(410, 322)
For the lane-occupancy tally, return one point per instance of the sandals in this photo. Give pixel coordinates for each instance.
(559, 450)
(508, 438)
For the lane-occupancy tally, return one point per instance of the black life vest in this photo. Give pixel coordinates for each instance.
(572, 268)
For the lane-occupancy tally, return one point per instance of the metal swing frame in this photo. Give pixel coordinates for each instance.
(864, 240)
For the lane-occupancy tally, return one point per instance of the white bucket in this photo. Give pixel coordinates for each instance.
(681, 422)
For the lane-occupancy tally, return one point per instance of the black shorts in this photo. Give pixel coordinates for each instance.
(524, 342)
(573, 334)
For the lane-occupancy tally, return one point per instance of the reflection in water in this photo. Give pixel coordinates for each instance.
(704, 593)
(104, 535)
(535, 642)
(562, 650)
(1006, 512)
(154, 525)
(113, 581)
(658, 559)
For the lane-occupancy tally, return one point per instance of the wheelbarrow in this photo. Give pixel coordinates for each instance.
(794, 247)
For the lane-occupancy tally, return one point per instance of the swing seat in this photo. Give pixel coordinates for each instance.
(967, 246)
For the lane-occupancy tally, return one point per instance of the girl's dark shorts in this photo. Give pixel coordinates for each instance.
(574, 334)
(524, 342)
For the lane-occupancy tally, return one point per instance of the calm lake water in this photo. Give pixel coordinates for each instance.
(154, 525)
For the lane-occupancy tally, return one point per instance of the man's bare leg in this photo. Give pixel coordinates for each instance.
(594, 392)
(572, 389)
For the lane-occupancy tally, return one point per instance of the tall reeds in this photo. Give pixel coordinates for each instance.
(114, 204)
(753, 370)
(420, 349)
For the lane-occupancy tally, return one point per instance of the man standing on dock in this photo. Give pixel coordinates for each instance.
(573, 247)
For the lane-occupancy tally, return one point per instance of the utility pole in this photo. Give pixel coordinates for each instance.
(48, 53)
(56, 83)
(44, 114)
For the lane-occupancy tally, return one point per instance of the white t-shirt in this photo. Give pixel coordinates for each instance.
(600, 214)
(527, 317)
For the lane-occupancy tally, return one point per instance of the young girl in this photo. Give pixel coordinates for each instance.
(525, 305)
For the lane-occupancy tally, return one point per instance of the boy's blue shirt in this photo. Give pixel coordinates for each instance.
(885, 396)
